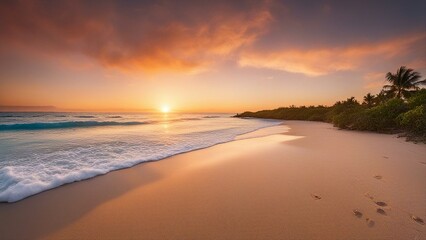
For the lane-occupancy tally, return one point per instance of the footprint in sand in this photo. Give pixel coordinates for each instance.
(357, 213)
(378, 177)
(316, 197)
(370, 222)
(381, 204)
(378, 203)
(418, 220)
(381, 211)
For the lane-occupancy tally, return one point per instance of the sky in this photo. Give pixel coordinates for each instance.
(203, 56)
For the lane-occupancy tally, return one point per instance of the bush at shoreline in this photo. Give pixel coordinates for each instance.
(390, 115)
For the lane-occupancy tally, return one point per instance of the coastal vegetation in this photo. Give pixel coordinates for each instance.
(400, 107)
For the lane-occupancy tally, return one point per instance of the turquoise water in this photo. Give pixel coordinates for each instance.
(40, 151)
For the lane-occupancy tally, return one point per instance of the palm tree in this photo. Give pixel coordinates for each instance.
(381, 97)
(404, 80)
(369, 99)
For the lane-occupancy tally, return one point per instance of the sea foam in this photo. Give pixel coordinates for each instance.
(47, 156)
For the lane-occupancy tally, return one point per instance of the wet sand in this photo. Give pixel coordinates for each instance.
(312, 182)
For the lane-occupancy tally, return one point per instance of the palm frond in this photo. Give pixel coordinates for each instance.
(388, 87)
(422, 82)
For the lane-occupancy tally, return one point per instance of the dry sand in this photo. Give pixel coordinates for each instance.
(313, 182)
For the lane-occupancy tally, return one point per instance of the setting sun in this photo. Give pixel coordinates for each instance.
(165, 109)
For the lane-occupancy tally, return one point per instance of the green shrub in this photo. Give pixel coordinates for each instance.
(342, 106)
(291, 113)
(414, 120)
(317, 117)
(389, 115)
(381, 118)
(349, 118)
(345, 114)
(417, 99)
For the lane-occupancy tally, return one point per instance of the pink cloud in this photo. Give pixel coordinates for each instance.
(322, 61)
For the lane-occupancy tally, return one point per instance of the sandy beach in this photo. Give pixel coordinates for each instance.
(301, 180)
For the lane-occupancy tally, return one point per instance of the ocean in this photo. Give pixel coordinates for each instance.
(41, 151)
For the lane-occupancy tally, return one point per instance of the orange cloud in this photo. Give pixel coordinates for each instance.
(317, 62)
(188, 48)
(149, 37)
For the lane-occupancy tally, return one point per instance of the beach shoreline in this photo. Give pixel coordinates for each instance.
(301, 180)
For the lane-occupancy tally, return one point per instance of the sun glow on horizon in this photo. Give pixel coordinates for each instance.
(165, 109)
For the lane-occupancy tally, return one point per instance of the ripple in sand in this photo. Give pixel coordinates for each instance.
(381, 211)
(357, 213)
(417, 220)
